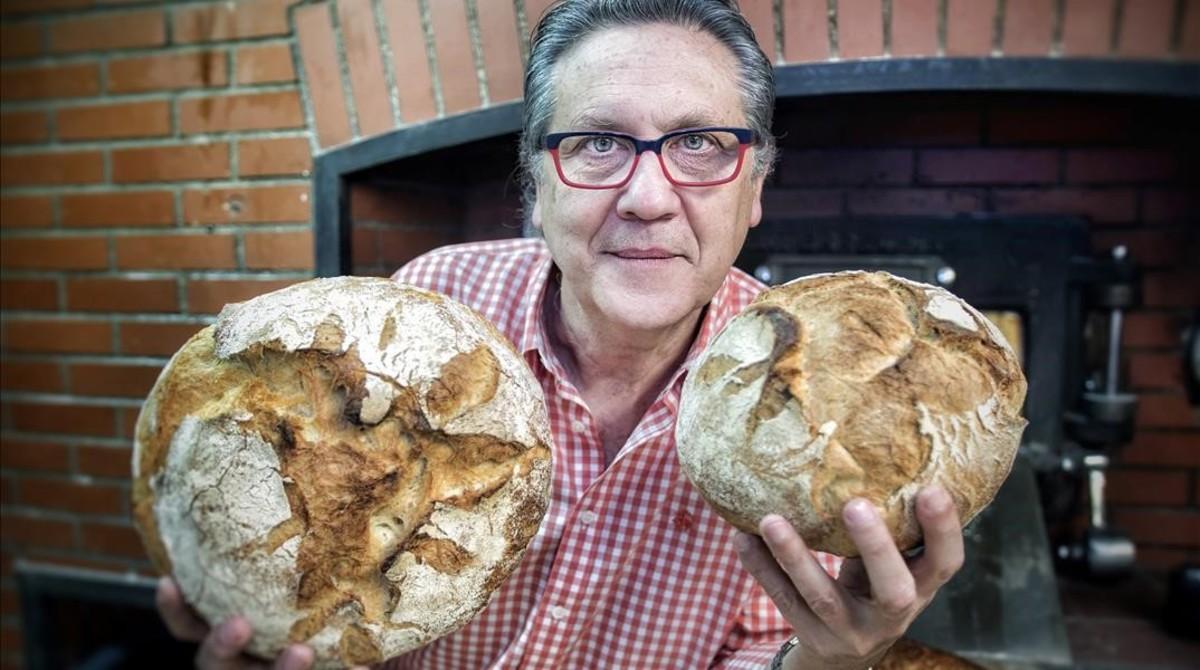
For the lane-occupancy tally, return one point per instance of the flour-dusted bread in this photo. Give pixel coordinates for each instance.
(350, 463)
(852, 384)
(909, 654)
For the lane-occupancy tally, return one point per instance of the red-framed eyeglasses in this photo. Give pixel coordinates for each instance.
(690, 157)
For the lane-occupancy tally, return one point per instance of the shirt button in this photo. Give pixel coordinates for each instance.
(588, 517)
(558, 612)
(577, 426)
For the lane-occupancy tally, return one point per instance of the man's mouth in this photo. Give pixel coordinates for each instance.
(652, 253)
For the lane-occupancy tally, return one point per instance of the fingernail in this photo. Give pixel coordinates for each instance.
(858, 513)
(775, 528)
(230, 634)
(741, 542)
(936, 498)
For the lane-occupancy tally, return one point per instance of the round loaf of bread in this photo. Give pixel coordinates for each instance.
(350, 463)
(847, 385)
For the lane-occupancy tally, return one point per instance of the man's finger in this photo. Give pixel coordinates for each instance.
(223, 646)
(821, 594)
(892, 586)
(181, 621)
(295, 657)
(775, 582)
(943, 554)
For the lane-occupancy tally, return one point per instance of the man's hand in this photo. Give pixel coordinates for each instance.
(221, 647)
(851, 622)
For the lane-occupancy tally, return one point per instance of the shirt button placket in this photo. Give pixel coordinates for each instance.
(559, 613)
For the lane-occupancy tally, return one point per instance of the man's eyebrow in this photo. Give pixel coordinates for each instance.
(591, 121)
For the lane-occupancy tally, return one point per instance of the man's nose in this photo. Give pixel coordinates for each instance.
(648, 195)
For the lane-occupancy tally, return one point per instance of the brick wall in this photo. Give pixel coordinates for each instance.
(155, 166)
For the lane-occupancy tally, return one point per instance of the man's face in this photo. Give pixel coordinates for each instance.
(649, 254)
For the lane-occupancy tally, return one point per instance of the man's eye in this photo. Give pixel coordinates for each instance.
(696, 142)
(600, 144)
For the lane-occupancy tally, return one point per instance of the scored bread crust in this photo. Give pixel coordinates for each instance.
(350, 463)
(846, 385)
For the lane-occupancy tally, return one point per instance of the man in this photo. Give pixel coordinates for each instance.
(645, 146)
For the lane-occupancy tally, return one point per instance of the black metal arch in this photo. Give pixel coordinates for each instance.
(1151, 78)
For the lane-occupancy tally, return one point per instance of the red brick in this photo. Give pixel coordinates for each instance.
(20, 40)
(1151, 329)
(1096, 166)
(125, 120)
(100, 294)
(112, 539)
(50, 81)
(105, 461)
(26, 211)
(1177, 288)
(24, 127)
(1103, 205)
(128, 418)
(860, 28)
(109, 31)
(119, 209)
(1087, 25)
(113, 379)
(848, 167)
(71, 496)
(1163, 558)
(218, 22)
(455, 62)
(1179, 528)
(176, 252)
(318, 55)
(64, 418)
(1169, 205)
(364, 248)
(903, 126)
(969, 28)
(915, 201)
(407, 42)
(760, 14)
(270, 157)
(198, 69)
(1189, 35)
(501, 51)
(805, 31)
(1058, 124)
(364, 64)
(19, 454)
(245, 111)
(1163, 410)
(155, 339)
(397, 247)
(28, 294)
(1028, 27)
(58, 253)
(801, 203)
(1146, 29)
(1157, 371)
(534, 9)
(171, 163)
(987, 166)
(9, 7)
(52, 168)
(368, 204)
(1152, 247)
(264, 64)
(36, 376)
(263, 204)
(64, 337)
(914, 27)
(36, 532)
(280, 251)
(1146, 487)
(210, 295)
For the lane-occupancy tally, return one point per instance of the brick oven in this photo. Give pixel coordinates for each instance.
(162, 159)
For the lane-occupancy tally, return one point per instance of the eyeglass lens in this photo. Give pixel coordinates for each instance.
(694, 158)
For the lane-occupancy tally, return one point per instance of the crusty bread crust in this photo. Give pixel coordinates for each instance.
(350, 463)
(911, 655)
(852, 384)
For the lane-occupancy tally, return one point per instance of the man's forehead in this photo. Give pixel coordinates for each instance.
(664, 120)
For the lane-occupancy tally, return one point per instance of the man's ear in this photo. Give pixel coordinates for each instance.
(756, 203)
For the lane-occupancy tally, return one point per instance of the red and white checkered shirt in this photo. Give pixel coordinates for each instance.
(631, 568)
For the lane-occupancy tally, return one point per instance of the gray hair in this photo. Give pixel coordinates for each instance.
(567, 23)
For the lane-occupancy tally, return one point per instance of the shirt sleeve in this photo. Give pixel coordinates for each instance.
(760, 629)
